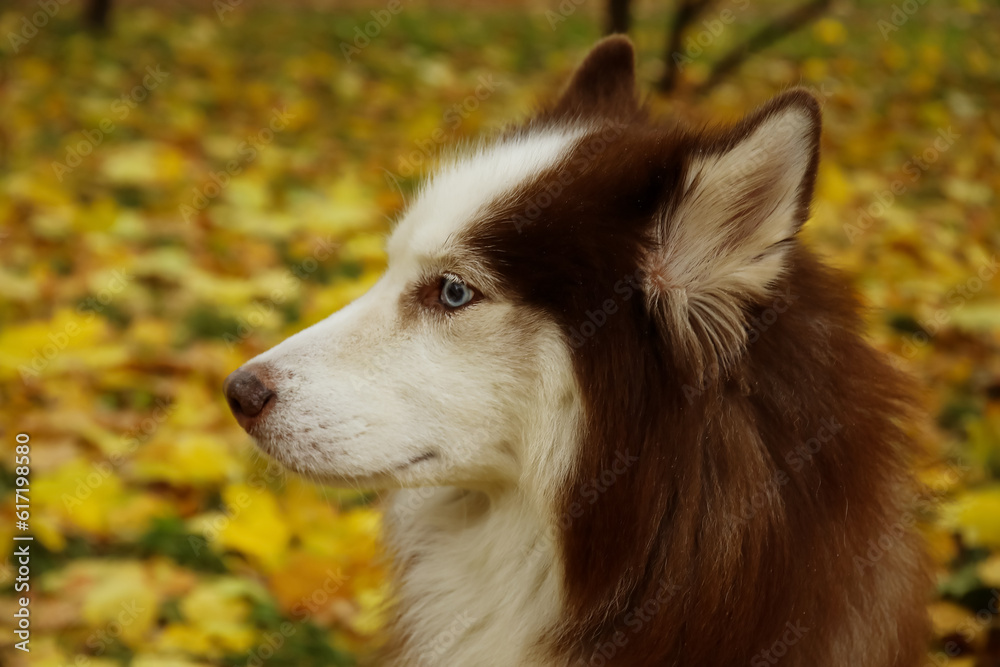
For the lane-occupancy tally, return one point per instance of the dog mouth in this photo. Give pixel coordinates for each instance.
(283, 454)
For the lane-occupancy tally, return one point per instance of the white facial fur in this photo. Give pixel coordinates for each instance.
(389, 393)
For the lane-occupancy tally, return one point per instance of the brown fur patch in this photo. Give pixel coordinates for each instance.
(756, 486)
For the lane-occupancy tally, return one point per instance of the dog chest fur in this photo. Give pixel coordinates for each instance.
(477, 577)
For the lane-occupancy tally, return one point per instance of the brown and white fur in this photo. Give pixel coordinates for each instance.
(654, 435)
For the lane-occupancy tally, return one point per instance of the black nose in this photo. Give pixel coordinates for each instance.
(249, 396)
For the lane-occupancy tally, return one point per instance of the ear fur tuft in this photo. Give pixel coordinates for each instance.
(722, 245)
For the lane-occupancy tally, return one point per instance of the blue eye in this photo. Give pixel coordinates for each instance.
(455, 293)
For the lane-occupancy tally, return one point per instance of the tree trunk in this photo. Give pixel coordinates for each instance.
(96, 15)
(619, 17)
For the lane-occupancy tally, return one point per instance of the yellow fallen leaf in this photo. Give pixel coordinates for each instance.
(254, 525)
(989, 571)
(830, 31)
(124, 605)
(216, 616)
(976, 515)
(191, 459)
(307, 583)
(948, 618)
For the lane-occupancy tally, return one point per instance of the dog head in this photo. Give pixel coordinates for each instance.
(583, 232)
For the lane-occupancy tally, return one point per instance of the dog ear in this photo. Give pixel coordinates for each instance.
(604, 84)
(722, 244)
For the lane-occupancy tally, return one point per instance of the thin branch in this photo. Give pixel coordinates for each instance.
(768, 35)
(687, 12)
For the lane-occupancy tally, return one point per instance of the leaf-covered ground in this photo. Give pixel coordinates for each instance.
(186, 192)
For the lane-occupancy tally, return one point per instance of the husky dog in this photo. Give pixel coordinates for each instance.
(623, 416)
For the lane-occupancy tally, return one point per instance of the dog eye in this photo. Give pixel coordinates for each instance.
(455, 293)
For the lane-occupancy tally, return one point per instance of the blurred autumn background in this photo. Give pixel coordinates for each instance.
(184, 185)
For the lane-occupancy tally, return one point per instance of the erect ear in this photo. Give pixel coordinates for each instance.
(604, 84)
(723, 243)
